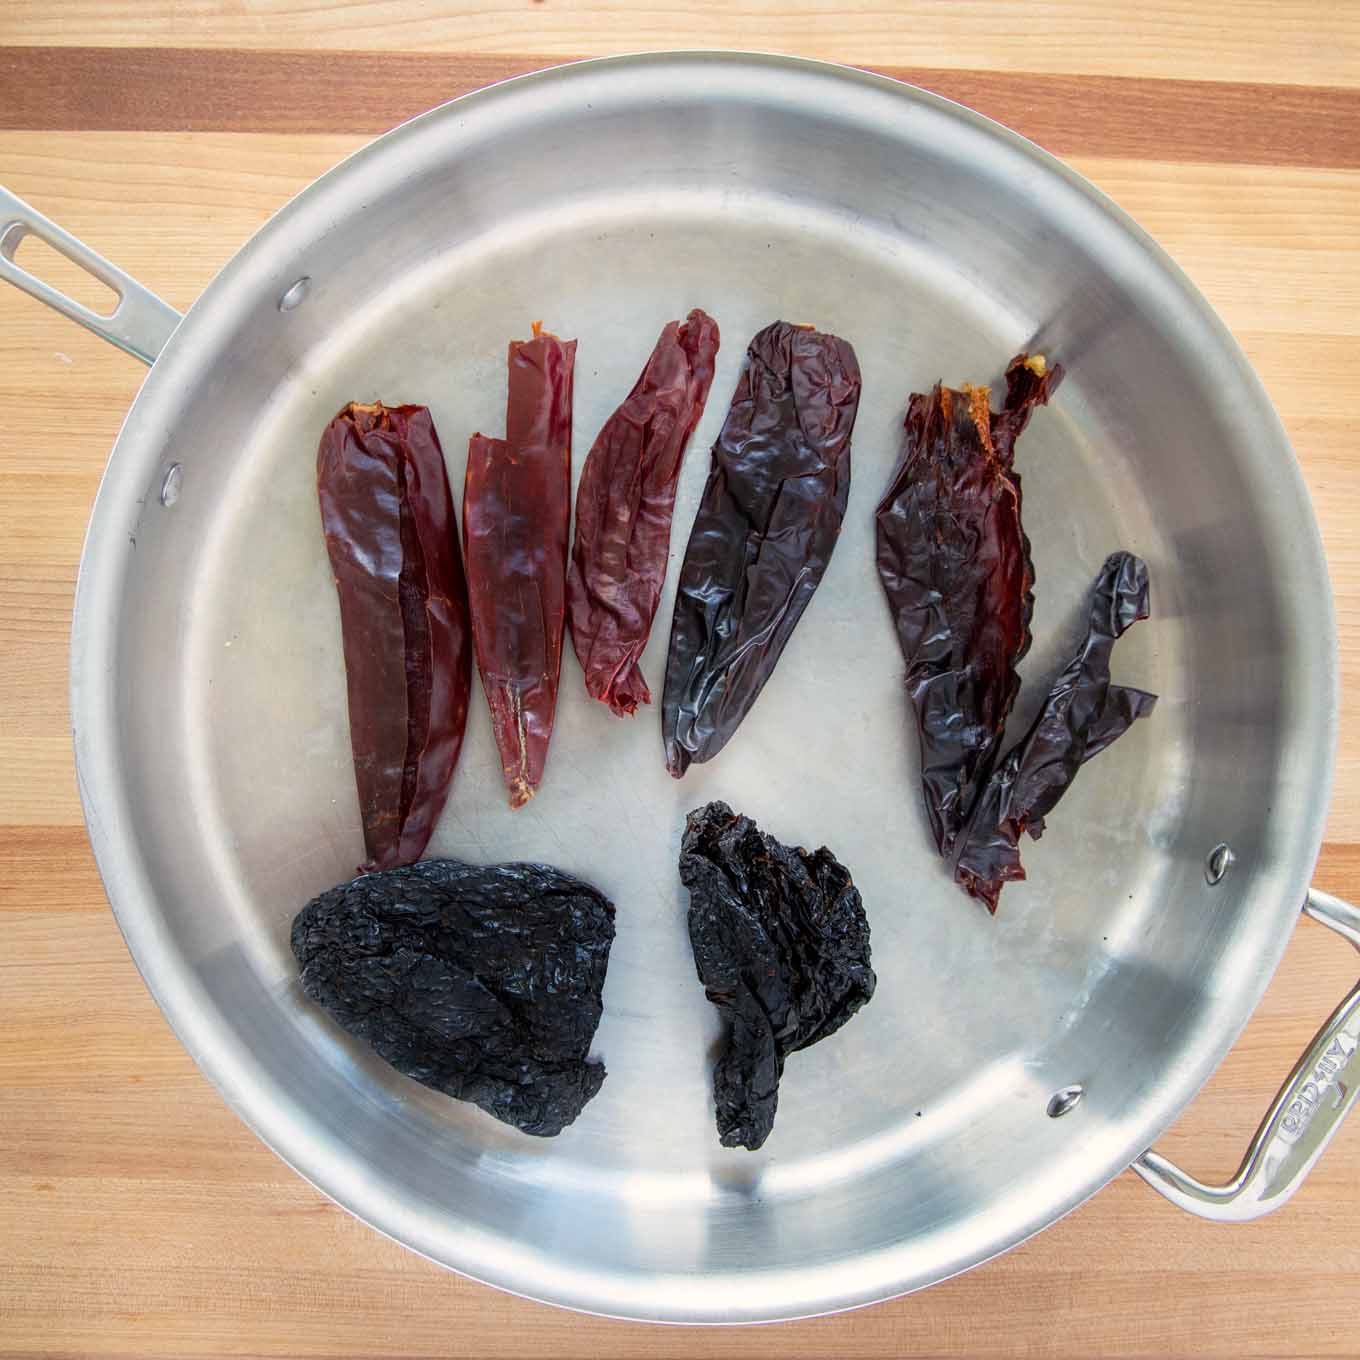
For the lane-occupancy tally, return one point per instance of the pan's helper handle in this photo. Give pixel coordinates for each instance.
(1306, 1114)
(140, 324)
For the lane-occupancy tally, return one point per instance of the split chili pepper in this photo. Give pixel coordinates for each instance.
(392, 537)
(1082, 715)
(955, 566)
(623, 512)
(764, 534)
(516, 511)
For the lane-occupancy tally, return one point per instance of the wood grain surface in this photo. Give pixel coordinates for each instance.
(137, 1215)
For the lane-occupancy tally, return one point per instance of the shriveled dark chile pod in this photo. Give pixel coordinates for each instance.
(766, 528)
(1083, 713)
(955, 565)
(781, 943)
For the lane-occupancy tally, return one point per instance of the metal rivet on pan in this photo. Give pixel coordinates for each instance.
(295, 294)
(170, 484)
(1221, 859)
(1065, 1101)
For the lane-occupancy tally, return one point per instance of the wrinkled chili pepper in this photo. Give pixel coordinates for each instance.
(764, 534)
(781, 943)
(393, 542)
(516, 509)
(623, 512)
(481, 981)
(1082, 715)
(955, 565)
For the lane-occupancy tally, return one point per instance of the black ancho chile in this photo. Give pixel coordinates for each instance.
(781, 944)
(480, 981)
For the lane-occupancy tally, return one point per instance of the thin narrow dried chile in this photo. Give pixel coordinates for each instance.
(392, 537)
(1083, 714)
(516, 511)
(623, 512)
(955, 565)
(764, 534)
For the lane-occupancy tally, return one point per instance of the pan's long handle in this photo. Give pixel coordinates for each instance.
(1306, 1114)
(140, 324)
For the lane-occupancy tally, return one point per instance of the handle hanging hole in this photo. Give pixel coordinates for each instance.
(54, 267)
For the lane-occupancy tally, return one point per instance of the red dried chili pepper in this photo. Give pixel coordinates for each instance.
(393, 542)
(516, 510)
(1082, 715)
(766, 528)
(955, 566)
(623, 512)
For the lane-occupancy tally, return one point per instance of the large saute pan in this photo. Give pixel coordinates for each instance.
(1007, 1067)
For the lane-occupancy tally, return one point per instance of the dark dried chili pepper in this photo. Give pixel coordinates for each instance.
(623, 512)
(955, 566)
(764, 534)
(516, 509)
(393, 542)
(1082, 715)
(482, 981)
(781, 944)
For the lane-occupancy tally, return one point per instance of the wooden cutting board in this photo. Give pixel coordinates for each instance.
(137, 1215)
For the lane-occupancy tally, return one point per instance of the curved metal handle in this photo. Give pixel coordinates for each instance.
(140, 324)
(1304, 1118)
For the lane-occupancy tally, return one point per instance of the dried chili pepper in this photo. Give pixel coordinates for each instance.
(1082, 715)
(765, 531)
(781, 943)
(623, 512)
(393, 542)
(516, 509)
(481, 981)
(955, 566)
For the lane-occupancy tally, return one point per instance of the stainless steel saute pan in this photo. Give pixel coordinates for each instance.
(1006, 1068)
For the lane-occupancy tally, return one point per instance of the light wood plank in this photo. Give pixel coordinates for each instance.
(1274, 249)
(1276, 40)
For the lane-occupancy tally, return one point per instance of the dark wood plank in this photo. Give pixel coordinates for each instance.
(196, 90)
